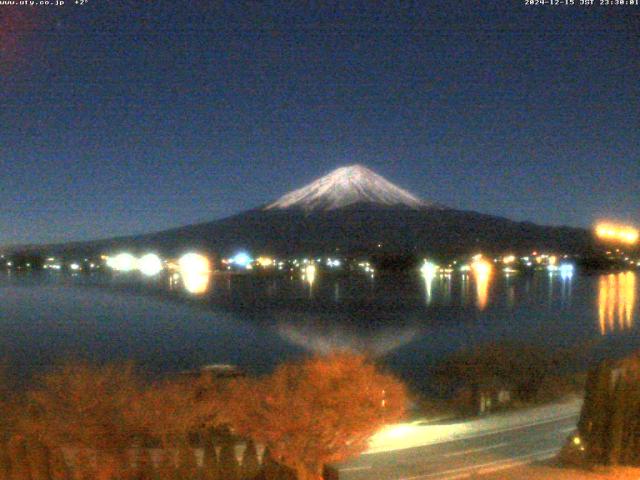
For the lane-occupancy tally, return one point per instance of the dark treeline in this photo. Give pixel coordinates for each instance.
(609, 426)
(530, 374)
(82, 422)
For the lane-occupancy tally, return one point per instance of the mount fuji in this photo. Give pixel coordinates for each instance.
(352, 210)
(347, 186)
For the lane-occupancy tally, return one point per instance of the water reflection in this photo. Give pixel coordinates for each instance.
(322, 334)
(196, 283)
(464, 289)
(511, 296)
(616, 302)
(309, 274)
(309, 277)
(566, 280)
(482, 274)
(428, 272)
(270, 317)
(195, 272)
(447, 287)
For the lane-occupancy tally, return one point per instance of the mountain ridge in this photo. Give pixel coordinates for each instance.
(355, 211)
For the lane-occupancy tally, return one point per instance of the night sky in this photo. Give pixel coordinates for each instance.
(121, 118)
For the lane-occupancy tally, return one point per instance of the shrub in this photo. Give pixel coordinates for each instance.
(317, 411)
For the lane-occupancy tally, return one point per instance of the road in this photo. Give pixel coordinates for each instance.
(478, 456)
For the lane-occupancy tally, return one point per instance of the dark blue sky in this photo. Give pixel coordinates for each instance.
(118, 119)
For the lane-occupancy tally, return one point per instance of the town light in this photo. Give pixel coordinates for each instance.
(509, 259)
(428, 269)
(480, 266)
(195, 272)
(617, 233)
(242, 259)
(150, 264)
(193, 263)
(123, 262)
(334, 263)
(265, 262)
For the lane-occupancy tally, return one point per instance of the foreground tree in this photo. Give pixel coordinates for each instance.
(318, 411)
(102, 417)
(250, 465)
(83, 408)
(172, 409)
(7, 425)
(609, 424)
(524, 367)
(169, 413)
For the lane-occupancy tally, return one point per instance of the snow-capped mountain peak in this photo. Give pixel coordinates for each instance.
(346, 186)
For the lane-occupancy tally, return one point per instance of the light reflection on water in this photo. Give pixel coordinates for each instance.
(616, 302)
(566, 290)
(195, 272)
(428, 275)
(482, 290)
(321, 334)
(406, 317)
(482, 278)
(511, 294)
(447, 287)
(196, 283)
(464, 295)
(309, 277)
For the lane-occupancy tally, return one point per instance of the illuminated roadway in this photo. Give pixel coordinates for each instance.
(477, 456)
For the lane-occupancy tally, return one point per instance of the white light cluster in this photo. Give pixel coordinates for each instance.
(123, 262)
(429, 269)
(149, 264)
(366, 266)
(333, 263)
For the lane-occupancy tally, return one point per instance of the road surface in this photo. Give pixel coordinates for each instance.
(478, 455)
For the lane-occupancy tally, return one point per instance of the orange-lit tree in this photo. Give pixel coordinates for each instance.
(170, 411)
(83, 408)
(319, 411)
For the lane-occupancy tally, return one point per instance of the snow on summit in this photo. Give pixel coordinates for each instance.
(346, 186)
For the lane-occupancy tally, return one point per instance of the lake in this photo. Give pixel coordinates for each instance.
(409, 321)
